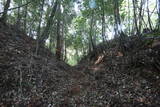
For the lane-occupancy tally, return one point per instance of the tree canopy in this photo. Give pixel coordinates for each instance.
(80, 24)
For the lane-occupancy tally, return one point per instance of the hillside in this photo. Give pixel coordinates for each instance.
(27, 79)
(105, 78)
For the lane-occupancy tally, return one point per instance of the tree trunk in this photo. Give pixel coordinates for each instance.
(62, 40)
(135, 17)
(19, 16)
(45, 34)
(103, 21)
(25, 18)
(140, 15)
(91, 43)
(58, 44)
(4, 15)
(117, 18)
(158, 14)
(65, 51)
(95, 33)
(149, 19)
(118, 29)
(39, 26)
(89, 46)
(129, 19)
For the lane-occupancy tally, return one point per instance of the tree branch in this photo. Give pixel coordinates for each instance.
(16, 7)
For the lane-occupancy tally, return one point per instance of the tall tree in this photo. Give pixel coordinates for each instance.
(158, 13)
(25, 17)
(45, 34)
(148, 15)
(62, 39)
(103, 21)
(19, 14)
(140, 14)
(59, 43)
(134, 2)
(6, 7)
(117, 17)
(39, 25)
(91, 43)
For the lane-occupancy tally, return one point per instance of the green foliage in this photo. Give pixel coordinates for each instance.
(75, 23)
(153, 34)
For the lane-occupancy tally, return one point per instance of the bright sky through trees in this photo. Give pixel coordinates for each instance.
(82, 19)
(92, 4)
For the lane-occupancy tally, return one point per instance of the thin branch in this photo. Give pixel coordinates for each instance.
(16, 7)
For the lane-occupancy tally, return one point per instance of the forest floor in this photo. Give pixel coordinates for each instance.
(106, 79)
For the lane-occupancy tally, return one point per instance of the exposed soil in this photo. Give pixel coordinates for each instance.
(108, 78)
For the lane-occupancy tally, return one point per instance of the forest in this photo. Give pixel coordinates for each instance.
(79, 53)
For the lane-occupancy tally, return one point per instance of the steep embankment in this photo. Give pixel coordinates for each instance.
(105, 79)
(26, 79)
(128, 80)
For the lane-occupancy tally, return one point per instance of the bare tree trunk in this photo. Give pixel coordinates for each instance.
(129, 19)
(158, 13)
(118, 29)
(39, 26)
(65, 53)
(135, 16)
(19, 16)
(140, 15)
(45, 34)
(89, 46)
(149, 19)
(6, 7)
(50, 42)
(145, 24)
(65, 43)
(25, 18)
(91, 43)
(117, 18)
(103, 21)
(94, 37)
(62, 40)
(58, 44)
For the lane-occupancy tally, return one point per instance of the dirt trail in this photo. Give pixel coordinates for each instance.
(41, 81)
